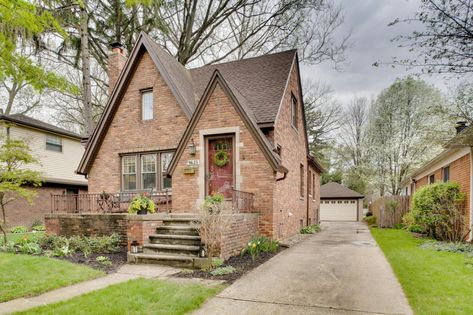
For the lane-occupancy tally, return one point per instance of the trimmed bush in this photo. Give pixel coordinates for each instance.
(220, 271)
(371, 221)
(19, 229)
(311, 229)
(436, 210)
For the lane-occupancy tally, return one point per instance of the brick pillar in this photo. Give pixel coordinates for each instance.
(116, 62)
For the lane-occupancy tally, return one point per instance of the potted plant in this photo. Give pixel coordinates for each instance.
(141, 204)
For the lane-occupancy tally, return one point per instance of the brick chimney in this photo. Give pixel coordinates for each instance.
(116, 62)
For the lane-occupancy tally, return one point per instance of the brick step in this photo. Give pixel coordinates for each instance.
(161, 259)
(169, 249)
(177, 230)
(175, 239)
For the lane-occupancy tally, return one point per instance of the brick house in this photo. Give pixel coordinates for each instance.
(166, 126)
(58, 152)
(454, 164)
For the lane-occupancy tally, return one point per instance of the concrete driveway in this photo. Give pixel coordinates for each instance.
(340, 270)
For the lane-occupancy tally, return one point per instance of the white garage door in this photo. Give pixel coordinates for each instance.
(338, 210)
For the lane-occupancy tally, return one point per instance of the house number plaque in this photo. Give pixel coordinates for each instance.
(193, 163)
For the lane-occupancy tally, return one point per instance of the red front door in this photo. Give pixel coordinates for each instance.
(220, 173)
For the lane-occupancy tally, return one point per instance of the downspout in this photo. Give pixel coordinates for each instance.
(470, 238)
(307, 194)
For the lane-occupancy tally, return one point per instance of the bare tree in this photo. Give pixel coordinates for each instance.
(353, 131)
(444, 40)
(462, 102)
(323, 115)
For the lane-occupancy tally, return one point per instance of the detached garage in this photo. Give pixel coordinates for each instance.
(339, 203)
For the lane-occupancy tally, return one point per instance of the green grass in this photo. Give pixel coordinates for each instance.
(434, 282)
(24, 275)
(140, 296)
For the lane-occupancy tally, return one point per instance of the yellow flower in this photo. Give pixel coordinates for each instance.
(254, 245)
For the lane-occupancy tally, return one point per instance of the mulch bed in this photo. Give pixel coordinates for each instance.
(242, 264)
(118, 259)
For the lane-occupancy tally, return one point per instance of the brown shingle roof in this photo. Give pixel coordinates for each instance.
(262, 80)
(35, 123)
(336, 190)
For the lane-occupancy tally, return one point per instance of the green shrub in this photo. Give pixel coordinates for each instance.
(260, 244)
(141, 202)
(217, 262)
(19, 229)
(213, 203)
(311, 229)
(37, 222)
(38, 228)
(371, 221)
(415, 229)
(220, 271)
(369, 213)
(398, 226)
(453, 247)
(104, 261)
(436, 211)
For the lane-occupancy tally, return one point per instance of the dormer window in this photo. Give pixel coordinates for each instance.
(294, 117)
(147, 105)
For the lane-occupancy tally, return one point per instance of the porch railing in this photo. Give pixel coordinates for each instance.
(105, 202)
(242, 202)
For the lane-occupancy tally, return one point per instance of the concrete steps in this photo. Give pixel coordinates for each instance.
(176, 243)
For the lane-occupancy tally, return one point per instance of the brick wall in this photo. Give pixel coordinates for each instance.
(314, 199)
(460, 173)
(290, 209)
(239, 230)
(87, 224)
(139, 228)
(21, 212)
(256, 175)
(129, 133)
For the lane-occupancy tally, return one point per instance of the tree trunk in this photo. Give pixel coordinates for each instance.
(3, 225)
(85, 57)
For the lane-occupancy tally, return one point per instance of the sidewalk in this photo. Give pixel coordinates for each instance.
(125, 273)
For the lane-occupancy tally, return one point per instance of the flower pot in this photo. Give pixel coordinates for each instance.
(143, 211)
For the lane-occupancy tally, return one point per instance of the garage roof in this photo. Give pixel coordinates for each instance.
(334, 190)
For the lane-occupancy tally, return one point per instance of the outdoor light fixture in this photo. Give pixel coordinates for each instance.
(192, 147)
(134, 247)
(202, 251)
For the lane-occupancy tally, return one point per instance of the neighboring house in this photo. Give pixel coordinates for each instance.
(165, 126)
(58, 152)
(454, 164)
(339, 203)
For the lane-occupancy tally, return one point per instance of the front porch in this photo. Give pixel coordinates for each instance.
(239, 202)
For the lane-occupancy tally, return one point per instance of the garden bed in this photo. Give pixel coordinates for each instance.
(241, 263)
(117, 259)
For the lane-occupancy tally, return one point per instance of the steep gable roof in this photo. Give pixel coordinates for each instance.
(261, 79)
(336, 190)
(243, 111)
(257, 83)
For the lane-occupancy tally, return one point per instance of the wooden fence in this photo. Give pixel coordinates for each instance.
(389, 210)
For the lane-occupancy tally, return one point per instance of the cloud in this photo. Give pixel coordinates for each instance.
(372, 38)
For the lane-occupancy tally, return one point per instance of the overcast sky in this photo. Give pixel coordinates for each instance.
(371, 37)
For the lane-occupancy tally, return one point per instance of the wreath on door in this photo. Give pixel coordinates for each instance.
(221, 158)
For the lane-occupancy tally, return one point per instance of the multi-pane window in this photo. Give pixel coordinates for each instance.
(147, 171)
(165, 161)
(147, 105)
(446, 173)
(53, 143)
(129, 172)
(302, 180)
(294, 117)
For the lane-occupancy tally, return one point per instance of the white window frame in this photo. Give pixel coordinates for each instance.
(143, 172)
(144, 112)
(135, 173)
(294, 112)
(52, 143)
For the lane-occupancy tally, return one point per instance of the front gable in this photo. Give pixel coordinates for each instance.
(143, 65)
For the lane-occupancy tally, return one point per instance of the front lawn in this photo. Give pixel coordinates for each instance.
(24, 275)
(140, 296)
(434, 282)
(16, 237)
